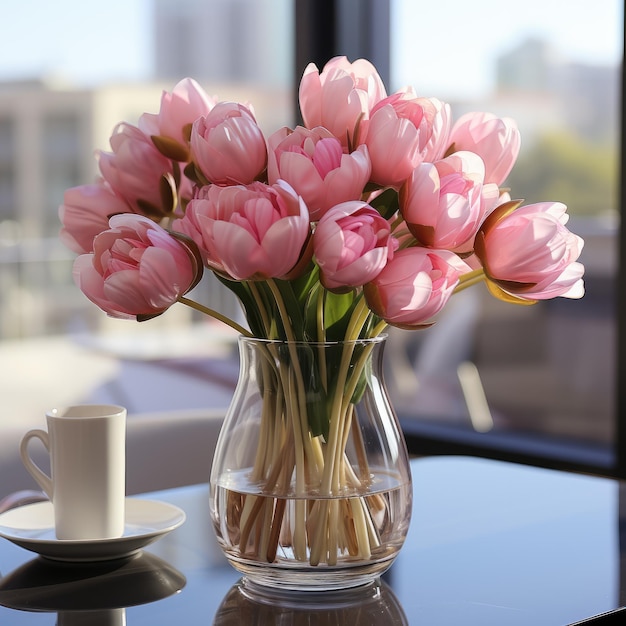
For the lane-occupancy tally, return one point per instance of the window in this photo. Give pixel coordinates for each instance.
(57, 106)
(545, 375)
(548, 372)
(537, 383)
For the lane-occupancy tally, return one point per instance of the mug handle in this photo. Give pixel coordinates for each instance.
(43, 480)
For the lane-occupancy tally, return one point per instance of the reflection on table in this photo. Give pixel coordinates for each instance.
(490, 543)
(90, 593)
(253, 606)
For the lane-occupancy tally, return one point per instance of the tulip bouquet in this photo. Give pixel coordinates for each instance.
(374, 212)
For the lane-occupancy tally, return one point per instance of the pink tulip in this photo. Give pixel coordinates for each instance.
(530, 253)
(249, 232)
(352, 244)
(436, 146)
(496, 140)
(228, 146)
(180, 108)
(313, 163)
(340, 96)
(136, 170)
(137, 269)
(444, 203)
(414, 286)
(85, 213)
(397, 134)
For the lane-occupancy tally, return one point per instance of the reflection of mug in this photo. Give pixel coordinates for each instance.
(90, 593)
(45, 585)
(87, 482)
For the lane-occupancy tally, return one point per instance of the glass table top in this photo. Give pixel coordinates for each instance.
(489, 543)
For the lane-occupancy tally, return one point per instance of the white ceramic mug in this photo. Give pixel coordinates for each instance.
(87, 482)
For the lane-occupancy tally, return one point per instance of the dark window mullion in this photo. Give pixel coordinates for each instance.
(620, 418)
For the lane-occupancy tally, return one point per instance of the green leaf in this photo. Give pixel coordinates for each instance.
(499, 293)
(170, 148)
(303, 285)
(194, 174)
(242, 291)
(316, 398)
(150, 210)
(310, 312)
(386, 203)
(291, 303)
(364, 376)
(338, 308)
(167, 193)
(314, 394)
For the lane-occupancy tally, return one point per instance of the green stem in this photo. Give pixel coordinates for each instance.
(282, 309)
(299, 530)
(305, 440)
(471, 278)
(215, 314)
(319, 317)
(357, 320)
(335, 419)
(321, 336)
(379, 328)
(319, 540)
(261, 308)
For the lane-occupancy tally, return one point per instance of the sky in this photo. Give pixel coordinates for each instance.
(434, 41)
(87, 41)
(446, 47)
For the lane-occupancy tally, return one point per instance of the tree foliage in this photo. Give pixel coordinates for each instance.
(563, 167)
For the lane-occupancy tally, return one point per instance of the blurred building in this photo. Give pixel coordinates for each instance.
(224, 41)
(48, 135)
(543, 91)
(587, 95)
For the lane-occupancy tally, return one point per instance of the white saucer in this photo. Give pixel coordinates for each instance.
(32, 527)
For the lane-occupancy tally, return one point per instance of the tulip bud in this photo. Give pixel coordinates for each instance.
(137, 269)
(414, 286)
(227, 145)
(314, 164)
(496, 140)
(352, 244)
(528, 251)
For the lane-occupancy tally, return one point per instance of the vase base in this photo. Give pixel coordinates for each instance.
(302, 599)
(322, 578)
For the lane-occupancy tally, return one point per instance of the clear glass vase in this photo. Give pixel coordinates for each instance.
(311, 483)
